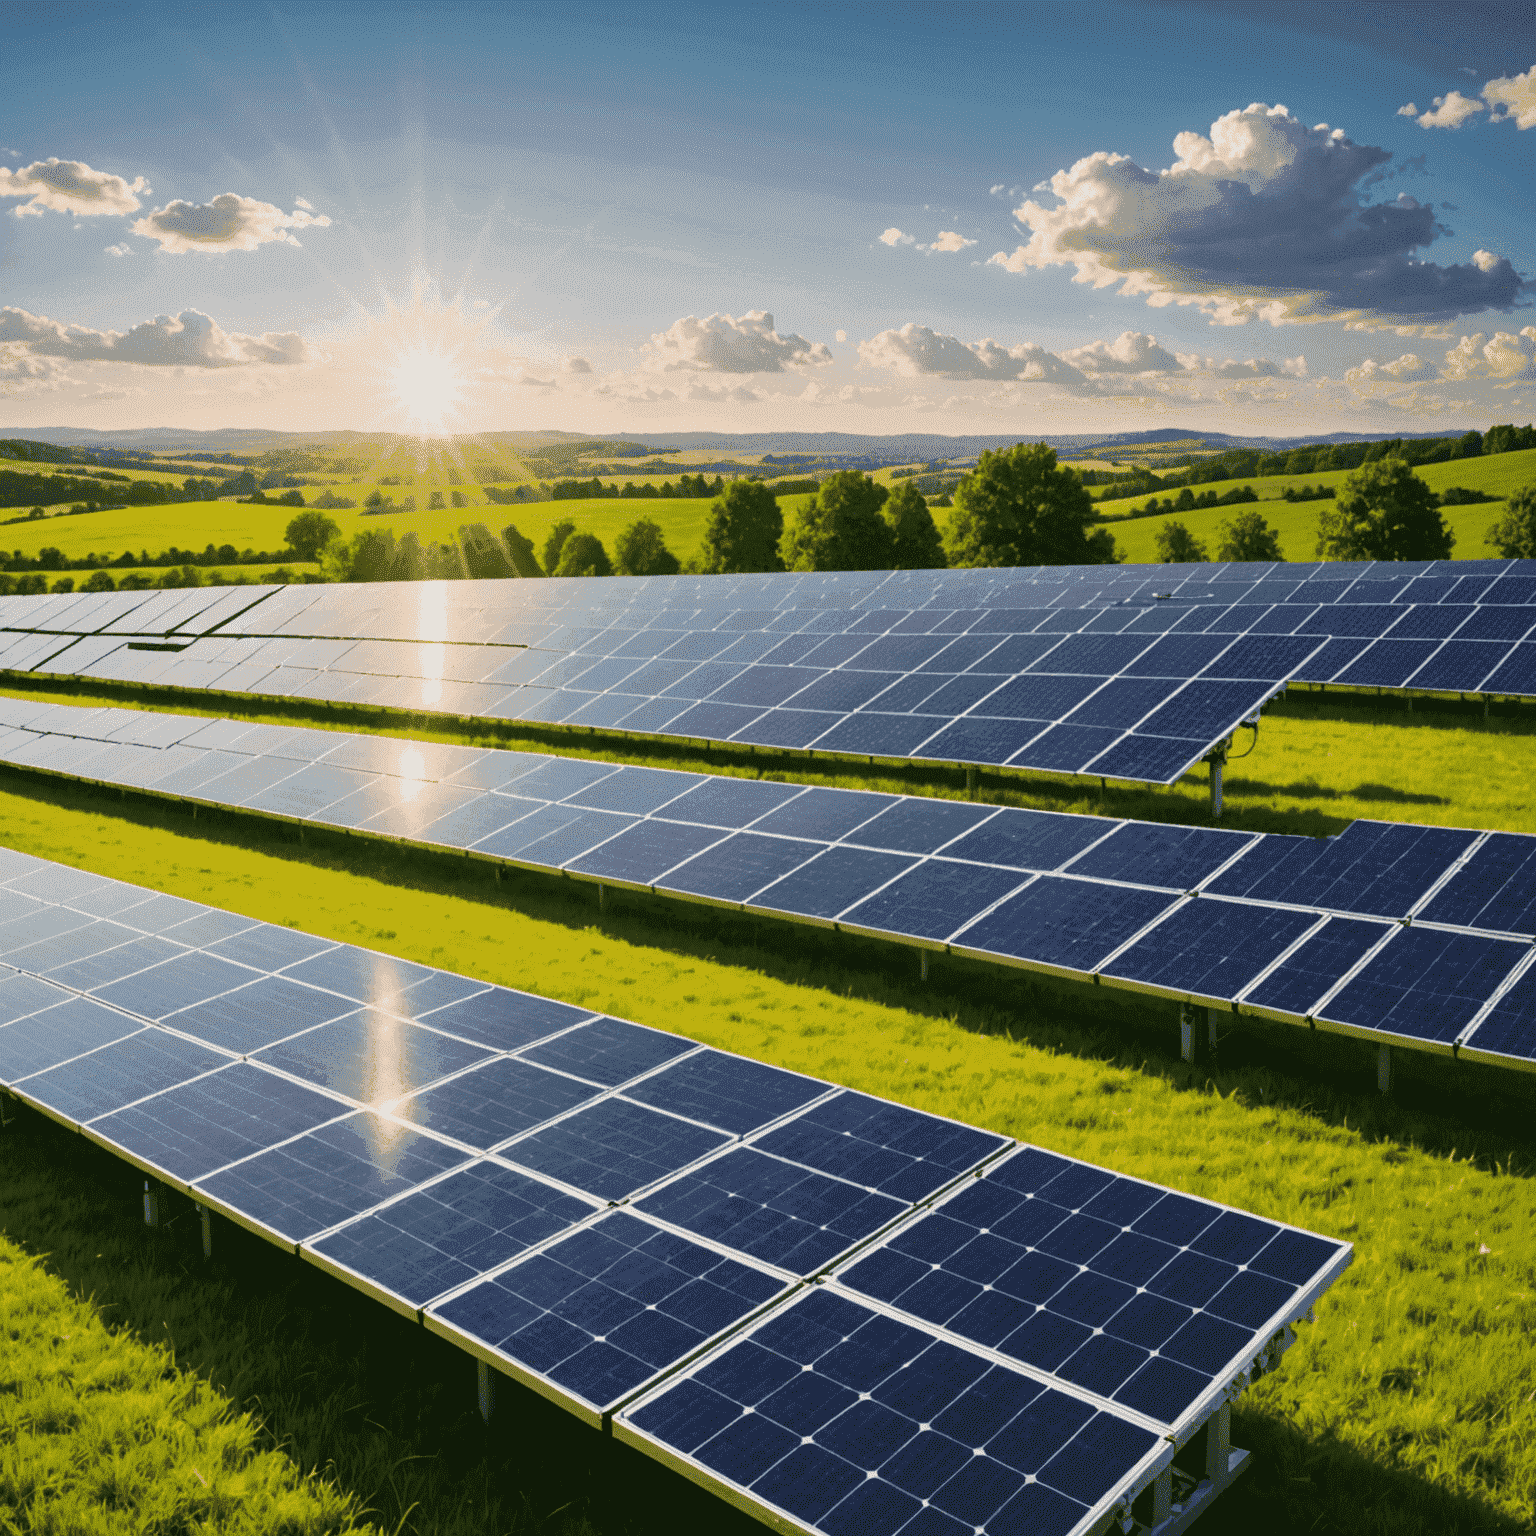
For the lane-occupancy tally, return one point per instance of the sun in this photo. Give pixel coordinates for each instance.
(427, 384)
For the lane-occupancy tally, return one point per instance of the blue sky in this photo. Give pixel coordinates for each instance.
(870, 218)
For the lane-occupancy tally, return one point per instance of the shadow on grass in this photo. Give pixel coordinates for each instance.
(387, 1411)
(1310, 789)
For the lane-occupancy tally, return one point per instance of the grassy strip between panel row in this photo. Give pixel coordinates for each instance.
(1407, 1408)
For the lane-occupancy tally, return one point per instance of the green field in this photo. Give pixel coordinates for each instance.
(1405, 1408)
(1496, 475)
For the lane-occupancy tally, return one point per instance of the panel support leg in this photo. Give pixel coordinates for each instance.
(970, 778)
(497, 868)
(1210, 1027)
(151, 1203)
(1384, 1068)
(1218, 763)
(1485, 706)
(1187, 1032)
(602, 898)
(1218, 1444)
(486, 1385)
(205, 1218)
(924, 954)
(1162, 1497)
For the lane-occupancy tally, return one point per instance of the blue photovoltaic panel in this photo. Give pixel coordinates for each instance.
(58, 1032)
(1314, 968)
(1145, 853)
(258, 1014)
(1132, 1292)
(776, 1212)
(446, 1233)
(1425, 984)
(852, 1423)
(328, 1176)
(1495, 889)
(1506, 1034)
(130, 1069)
(503, 1019)
(730, 1093)
(609, 1051)
(495, 1102)
(601, 1313)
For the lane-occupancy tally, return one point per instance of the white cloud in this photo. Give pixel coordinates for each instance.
(1507, 358)
(948, 240)
(576, 365)
(304, 203)
(1513, 96)
(722, 344)
(894, 236)
(1451, 111)
(229, 223)
(1130, 352)
(69, 186)
(1400, 370)
(1265, 219)
(1408, 111)
(190, 339)
(840, 336)
(1251, 368)
(709, 394)
(23, 374)
(123, 249)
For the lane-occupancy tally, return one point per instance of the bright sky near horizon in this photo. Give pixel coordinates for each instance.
(943, 217)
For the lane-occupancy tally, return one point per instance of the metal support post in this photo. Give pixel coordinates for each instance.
(1218, 763)
(925, 964)
(1218, 1443)
(1384, 1068)
(970, 778)
(1410, 703)
(1187, 1032)
(205, 1218)
(1485, 706)
(1210, 1027)
(487, 1389)
(497, 868)
(1162, 1497)
(602, 898)
(151, 1203)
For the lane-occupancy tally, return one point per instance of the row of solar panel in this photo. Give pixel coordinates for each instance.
(1422, 936)
(456, 1149)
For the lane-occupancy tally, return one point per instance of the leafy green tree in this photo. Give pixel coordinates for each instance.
(917, 545)
(485, 558)
(64, 584)
(309, 533)
(1176, 545)
(582, 554)
(841, 527)
(1018, 507)
(1249, 537)
(1514, 535)
(742, 530)
(99, 581)
(520, 552)
(642, 551)
(556, 542)
(187, 576)
(1383, 512)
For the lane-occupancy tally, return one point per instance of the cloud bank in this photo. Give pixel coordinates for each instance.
(1265, 218)
(1509, 99)
(721, 344)
(229, 223)
(189, 340)
(69, 186)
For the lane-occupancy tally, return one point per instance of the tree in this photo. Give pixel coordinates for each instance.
(1249, 537)
(556, 542)
(99, 581)
(520, 552)
(917, 545)
(309, 533)
(485, 558)
(1514, 535)
(1383, 512)
(742, 531)
(642, 551)
(582, 554)
(1017, 507)
(841, 527)
(1176, 545)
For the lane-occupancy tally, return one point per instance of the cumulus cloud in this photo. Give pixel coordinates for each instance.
(1250, 368)
(124, 249)
(23, 374)
(840, 336)
(1130, 352)
(576, 365)
(1513, 97)
(1406, 369)
(1506, 358)
(69, 186)
(229, 223)
(1448, 111)
(189, 340)
(948, 240)
(1266, 218)
(304, 203)
(723, 344)
(1510, 98)
(894, 236)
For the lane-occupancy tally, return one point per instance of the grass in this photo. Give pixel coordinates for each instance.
(1496, 475)
(1406, 1408)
